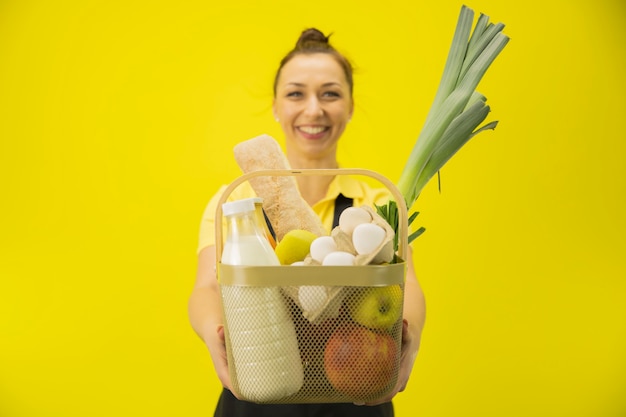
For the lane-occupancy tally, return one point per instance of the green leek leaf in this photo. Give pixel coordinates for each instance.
(457, 109)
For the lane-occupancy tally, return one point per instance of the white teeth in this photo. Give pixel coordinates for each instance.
(312, 130)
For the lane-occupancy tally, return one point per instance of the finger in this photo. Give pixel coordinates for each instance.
(405, 329)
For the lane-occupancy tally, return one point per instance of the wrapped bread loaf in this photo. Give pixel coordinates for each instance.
(282, 202)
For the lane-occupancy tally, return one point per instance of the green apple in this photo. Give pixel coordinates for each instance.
(294, 246)
(377, 307)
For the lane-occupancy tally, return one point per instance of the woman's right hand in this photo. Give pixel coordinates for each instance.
(219, 357)
(205, 313)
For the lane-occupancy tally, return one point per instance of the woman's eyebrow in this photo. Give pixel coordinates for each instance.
(328, 84)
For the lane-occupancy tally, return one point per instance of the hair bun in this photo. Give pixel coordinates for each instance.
(312, 39)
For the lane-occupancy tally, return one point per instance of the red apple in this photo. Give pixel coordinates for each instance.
(360, 363)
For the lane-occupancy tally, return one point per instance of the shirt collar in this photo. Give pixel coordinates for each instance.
(346, 185)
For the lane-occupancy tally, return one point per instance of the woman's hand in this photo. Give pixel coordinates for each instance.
(408, 353)
(217, 349)
(413, 322)
(205, 314)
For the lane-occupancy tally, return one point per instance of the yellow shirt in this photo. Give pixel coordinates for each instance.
(361, 192)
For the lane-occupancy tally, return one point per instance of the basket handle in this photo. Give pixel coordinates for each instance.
(399, 198)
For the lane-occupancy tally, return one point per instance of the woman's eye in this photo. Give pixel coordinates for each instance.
(332, 94)
(294, 94)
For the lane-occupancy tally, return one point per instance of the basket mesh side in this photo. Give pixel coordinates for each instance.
(277, 355)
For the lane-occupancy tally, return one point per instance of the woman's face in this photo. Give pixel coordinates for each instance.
(313, 104)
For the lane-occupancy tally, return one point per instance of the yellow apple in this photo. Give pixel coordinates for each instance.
(377, 307)
(294, 246)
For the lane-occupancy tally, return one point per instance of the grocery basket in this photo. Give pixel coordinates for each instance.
(348, 351)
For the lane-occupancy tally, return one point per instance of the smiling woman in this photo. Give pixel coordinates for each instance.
(313, 104)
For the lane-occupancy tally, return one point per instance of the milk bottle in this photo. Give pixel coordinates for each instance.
(262, 335)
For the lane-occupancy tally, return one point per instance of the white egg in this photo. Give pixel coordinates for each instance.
(352, 217)
(339, 258)
(321, 247)
(298, 263)
(312, 297)
(367, 237)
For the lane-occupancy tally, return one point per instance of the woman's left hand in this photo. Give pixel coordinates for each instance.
(414, 316)
(408, 353)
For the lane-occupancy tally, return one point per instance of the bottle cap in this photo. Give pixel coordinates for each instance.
(238, 206)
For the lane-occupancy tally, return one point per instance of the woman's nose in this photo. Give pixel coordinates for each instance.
(314, 107)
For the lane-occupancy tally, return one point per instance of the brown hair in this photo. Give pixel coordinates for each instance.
(312, 41)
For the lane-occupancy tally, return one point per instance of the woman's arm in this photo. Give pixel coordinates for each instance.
(205, 312)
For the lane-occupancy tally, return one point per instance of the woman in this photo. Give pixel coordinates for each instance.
(313, 104)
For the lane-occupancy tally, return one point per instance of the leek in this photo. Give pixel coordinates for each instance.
(457, 109)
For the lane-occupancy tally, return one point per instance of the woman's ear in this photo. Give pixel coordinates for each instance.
(274, 110)
(351, 110)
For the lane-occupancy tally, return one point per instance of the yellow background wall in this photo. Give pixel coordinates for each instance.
(117, 121)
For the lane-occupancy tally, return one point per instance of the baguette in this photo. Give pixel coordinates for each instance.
(283, 205)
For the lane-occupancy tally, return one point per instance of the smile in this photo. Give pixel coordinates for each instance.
(312, 130)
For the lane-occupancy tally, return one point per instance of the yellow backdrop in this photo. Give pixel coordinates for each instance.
(117, 122)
